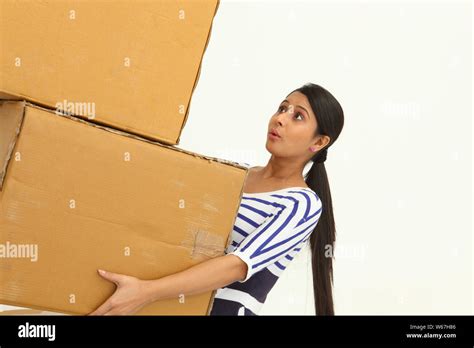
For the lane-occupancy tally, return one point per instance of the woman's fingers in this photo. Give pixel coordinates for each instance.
(104, 308)
(107, 306)
(113, 312)
(127, 298)
(113, 277)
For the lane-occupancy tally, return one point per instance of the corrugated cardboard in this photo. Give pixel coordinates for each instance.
(132, 65)
(92, 197)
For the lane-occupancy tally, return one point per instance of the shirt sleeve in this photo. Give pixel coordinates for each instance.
(280, 233)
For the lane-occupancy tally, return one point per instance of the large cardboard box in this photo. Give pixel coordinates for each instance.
(132, 65)
(88, 197)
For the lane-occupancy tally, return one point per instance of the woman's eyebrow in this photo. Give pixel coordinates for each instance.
(286, 100)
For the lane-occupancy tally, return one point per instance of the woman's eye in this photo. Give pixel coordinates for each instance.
(298, 113)
(282, 107)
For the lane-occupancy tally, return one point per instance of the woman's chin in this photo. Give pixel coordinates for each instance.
(272, 149)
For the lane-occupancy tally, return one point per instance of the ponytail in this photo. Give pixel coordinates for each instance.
(323, 235)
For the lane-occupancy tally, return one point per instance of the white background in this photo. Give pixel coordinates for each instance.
(401, 171)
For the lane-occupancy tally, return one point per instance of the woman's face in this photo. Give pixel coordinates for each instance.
(295, 123)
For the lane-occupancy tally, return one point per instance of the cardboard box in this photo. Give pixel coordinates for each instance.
(91, 197)
(131, 65)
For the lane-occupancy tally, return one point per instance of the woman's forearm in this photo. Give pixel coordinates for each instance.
(208, 275)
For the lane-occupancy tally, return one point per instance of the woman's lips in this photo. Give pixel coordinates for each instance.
(273, 136)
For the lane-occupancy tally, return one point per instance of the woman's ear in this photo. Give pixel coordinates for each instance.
(321, 142)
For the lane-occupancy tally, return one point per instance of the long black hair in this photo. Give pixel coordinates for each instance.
(330, 120)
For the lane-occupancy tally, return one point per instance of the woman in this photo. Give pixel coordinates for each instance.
(280, 210)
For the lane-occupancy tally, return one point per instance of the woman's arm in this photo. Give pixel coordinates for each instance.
(209, 275)
(132, 293)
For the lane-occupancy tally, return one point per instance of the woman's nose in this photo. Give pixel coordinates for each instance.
(281, 118)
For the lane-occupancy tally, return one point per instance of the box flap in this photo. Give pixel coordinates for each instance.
(11, 117)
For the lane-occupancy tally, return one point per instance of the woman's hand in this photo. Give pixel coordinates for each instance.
(128, 298)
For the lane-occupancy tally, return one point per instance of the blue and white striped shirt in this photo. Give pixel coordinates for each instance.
(269, 230)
